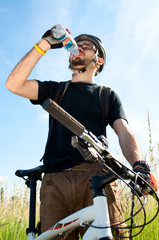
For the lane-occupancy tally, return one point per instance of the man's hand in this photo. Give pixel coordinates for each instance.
(143, 168)
(48, 36)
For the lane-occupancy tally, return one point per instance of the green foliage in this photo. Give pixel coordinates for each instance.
(14, 211)
(150, 231)
(14, 215)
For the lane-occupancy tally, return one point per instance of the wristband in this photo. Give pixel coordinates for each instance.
(144, 164)
(39, 50)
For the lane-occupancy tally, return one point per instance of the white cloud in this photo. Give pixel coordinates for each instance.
(135, 36)
(43, 117)
(48, 13)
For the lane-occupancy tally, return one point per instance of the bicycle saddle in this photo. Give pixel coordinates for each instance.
(33, 173)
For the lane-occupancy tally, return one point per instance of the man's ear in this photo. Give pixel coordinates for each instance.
(100, 61)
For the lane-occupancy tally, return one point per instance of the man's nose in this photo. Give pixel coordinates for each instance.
(80, 48)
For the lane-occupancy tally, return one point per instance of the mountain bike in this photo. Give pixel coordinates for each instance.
(96, 217)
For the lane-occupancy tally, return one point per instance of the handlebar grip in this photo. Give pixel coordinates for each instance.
(63, 117)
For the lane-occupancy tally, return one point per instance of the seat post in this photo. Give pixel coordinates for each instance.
(32, 209)
(31, 176)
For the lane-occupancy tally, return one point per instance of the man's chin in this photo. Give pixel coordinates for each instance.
(76, 67)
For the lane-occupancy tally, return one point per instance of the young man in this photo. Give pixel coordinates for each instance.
(65, 188)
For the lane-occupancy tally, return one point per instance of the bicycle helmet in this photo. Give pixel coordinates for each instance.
(99, 45)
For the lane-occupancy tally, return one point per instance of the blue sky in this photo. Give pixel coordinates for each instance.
(130, 33)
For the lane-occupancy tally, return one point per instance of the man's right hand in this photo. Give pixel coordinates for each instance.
(48, 36)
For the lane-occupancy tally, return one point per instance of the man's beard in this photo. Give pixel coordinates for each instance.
(77, 62)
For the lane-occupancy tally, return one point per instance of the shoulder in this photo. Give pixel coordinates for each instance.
(115, 97)
(47, 89)
(47, 83)
(51, 86)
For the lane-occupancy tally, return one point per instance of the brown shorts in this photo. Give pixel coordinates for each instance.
(66, 192)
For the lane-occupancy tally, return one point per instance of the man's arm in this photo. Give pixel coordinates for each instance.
(132, 151)
(17, 81)
(128, 142)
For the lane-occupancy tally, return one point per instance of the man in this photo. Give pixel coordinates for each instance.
(65, 188)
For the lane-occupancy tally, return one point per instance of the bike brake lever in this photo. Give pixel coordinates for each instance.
(143, 185)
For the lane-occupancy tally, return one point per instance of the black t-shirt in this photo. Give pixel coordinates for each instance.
(82, 101)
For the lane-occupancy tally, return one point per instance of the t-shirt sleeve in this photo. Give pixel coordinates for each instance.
(116, 110)
(46, 90)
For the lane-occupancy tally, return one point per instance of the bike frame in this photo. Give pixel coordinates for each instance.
(96, 213)
(89, 214)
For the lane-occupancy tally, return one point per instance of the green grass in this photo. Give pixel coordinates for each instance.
(150, 231)
(14, 229)
(14, 211)
(14, 216)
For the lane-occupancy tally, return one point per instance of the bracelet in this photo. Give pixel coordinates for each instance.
(39, 50)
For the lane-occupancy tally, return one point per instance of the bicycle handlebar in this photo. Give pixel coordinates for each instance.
(78, 129)
(63, 117)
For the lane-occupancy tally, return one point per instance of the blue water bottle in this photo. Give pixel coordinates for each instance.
(62, 35)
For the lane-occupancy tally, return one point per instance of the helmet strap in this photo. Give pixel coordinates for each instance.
(82, 70)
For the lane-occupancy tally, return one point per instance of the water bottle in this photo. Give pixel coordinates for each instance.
(62, 35)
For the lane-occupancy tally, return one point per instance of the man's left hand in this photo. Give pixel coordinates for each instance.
(144, 169)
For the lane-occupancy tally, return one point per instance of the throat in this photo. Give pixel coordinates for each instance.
(82, 78)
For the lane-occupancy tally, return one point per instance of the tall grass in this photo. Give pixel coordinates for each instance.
(151, 231)
(14, 212)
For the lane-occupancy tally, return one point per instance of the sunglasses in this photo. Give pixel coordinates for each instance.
(87, 46)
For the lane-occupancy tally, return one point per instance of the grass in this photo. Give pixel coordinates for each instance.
(14, 215)
(151, 231)
(14, 212)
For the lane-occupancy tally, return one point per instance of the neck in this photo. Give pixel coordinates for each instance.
(87, 77)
